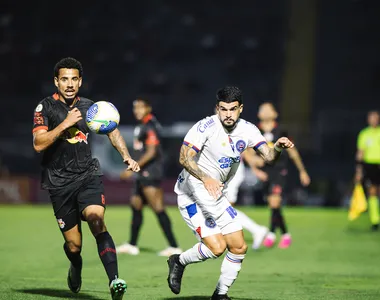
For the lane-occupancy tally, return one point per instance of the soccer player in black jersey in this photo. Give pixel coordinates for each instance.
(148, 146)
(70, 174)
(274, 176)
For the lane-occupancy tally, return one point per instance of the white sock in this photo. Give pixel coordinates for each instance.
(248, 223)
(200, 252)
(231, 266)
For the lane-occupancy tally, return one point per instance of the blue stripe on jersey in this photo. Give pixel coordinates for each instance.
(259, 144)
(191, 146)
(191, 209)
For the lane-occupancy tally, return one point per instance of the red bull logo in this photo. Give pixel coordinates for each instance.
(74, 135)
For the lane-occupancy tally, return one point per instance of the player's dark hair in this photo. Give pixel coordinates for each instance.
(229, 94)
(144, 100)
(68, 63)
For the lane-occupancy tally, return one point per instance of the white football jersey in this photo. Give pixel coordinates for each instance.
(218, 150)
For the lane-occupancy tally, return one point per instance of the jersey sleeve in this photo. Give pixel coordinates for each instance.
(199, 133)
(151, 137)
(40, 120)
(360, 144)
(255, 138)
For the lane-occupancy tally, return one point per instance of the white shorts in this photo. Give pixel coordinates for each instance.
(206, 216)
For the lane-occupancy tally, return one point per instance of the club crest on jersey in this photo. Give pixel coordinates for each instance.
(240, 145)
(210, 222)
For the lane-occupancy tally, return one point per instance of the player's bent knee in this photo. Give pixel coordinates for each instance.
(240, 249)
(73, 247)
(96, 223)
(218, 248)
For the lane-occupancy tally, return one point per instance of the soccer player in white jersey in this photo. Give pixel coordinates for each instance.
(258, 231)
(210, 155)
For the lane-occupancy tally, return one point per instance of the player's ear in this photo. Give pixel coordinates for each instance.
(80, 81)
(241, 108)
(56, 81)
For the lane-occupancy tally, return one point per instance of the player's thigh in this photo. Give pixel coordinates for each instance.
(137, 198)
(65, 207)
(92, 203)
(235, 242)
(276, 186)
(153, 194)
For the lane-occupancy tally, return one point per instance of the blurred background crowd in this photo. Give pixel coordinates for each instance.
(316, 61)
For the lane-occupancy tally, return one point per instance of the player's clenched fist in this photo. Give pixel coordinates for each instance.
(214, 187)
(132, 165)
(283, 143)
(73, 116)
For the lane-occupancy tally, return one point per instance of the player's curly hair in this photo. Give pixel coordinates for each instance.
(229, 94)
(68, 63)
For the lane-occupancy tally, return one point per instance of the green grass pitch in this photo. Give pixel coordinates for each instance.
(330, 258)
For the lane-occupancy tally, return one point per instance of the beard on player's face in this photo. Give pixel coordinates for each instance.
(229, 123)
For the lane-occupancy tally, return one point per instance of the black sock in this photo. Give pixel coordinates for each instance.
(282, 222)
(275, 219)
(74, 257)
(107, 254)
(167, 228)
(137, 218)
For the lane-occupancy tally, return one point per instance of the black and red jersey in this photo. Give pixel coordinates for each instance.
(69, 158)
(148, 132)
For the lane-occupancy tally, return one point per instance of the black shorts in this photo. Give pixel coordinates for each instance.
(68, 203)
(371, 174)
(276, 182)
(144, 182)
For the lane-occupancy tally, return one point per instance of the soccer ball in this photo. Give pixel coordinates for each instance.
(102, 117)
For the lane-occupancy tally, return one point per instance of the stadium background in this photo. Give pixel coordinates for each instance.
(317, 61)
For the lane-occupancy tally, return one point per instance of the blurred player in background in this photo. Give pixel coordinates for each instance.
(148, 147)
(70, 174)
(210, 156)
(258, 231)
(274, 176)
(368, 164)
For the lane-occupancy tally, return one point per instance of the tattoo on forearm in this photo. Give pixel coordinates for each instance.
(118, 142)
(269, 154)
(187, 161)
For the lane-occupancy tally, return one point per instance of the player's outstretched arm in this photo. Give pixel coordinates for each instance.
(295, 156)
(119, 144)
(42, 139)
(270, 155)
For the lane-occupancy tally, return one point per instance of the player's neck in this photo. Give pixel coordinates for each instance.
(267, 125)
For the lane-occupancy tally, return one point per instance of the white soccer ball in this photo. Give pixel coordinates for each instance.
(102, 117)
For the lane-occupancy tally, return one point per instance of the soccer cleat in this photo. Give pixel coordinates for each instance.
(128, 248)
(74, 278)
(118, 288)
(170, 251)
(175, 273)
(286, 241)
(216, 296)
(269, 240)
(259, 237)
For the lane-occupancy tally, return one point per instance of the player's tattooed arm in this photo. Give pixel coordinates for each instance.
(270, 155)
(186, 159)
(119, 144)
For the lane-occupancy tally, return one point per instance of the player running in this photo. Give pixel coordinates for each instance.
(274, 176)
(210, 155)
(72, 177)
(148, 146)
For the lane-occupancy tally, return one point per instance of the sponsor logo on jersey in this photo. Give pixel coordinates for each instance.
(204, 125)
(227, 162)
(74, 135)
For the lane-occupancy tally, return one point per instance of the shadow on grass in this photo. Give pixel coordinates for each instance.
(56, 293)
(147, 250)
(204, 298)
